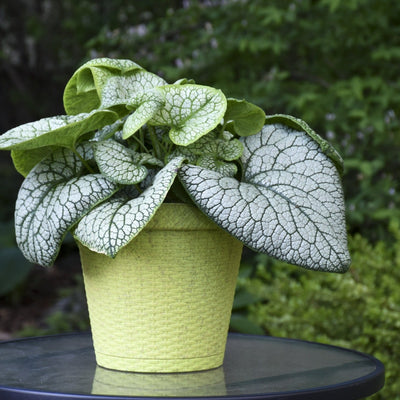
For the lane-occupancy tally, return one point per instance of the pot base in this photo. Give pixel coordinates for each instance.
(159, 365)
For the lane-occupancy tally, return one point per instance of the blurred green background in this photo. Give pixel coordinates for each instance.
(333, 63)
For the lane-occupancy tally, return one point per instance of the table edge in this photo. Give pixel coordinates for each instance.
(331, 392)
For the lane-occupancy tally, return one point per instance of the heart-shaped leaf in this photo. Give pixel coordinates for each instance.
(113, 224)
(243, 118)
(212, 151)
(25, 160)
(52, 198)
(127, 90)
(230, 150)
(83, 91)
(215, 164)
(147, 159)
(148, 104)
(225, 148)
(63, 130)
(289, 204)
(108, 131)
(191, 111)
(116, 162)
(301, 125)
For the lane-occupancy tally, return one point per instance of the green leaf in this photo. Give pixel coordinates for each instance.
(243, 118)
(191, 111)
(63, 130)
(185, 81)
(212, 151)
(52, 198)
(83, 91)
(289, 204)
(224, 147)
(147, 159)
(25, 160)
(113, 224)
(230, 150)
(116, 162)
(215, 164)
(300, 125)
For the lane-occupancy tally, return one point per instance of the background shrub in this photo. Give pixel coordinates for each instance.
(358, 310)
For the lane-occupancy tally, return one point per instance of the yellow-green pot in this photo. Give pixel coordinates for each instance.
(164, 303)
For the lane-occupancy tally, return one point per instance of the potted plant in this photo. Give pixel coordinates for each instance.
(161, 184)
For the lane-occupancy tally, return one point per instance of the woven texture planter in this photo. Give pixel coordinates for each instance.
(164, 303)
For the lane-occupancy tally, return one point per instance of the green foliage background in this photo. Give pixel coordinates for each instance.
(357, 310)
(333, 63)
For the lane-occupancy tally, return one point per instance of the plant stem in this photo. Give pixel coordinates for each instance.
(137, 186)
(222, 130)
(140, 141)
(155, 143)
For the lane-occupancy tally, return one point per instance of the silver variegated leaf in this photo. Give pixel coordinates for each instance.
(231, 150)
(62, 130)
(124, 90)
(289, 203)
(300, 125)
(148, 159)
(113, 224)
(83, 91)
(113, 64)
(108, 131)
(148, 104)
(212, 152)
(191, 111)
(181, 151)
(215, 164)
(52, 198)
(117, 163)
(224, 148)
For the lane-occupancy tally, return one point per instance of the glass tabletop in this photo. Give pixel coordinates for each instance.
(255, 367)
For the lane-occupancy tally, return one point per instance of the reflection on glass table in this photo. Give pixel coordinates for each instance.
(256, 367)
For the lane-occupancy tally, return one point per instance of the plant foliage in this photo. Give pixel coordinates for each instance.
(131, 141)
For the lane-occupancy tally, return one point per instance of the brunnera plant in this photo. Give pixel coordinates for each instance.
(130, 141)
